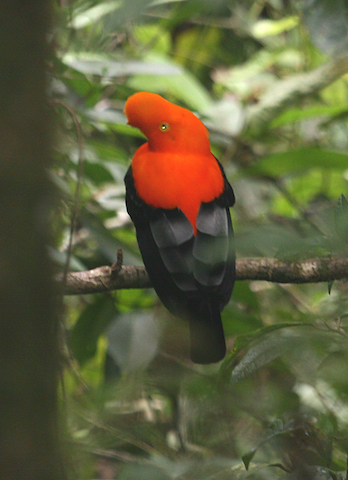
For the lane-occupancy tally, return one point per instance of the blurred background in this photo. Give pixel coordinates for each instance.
(269, 80)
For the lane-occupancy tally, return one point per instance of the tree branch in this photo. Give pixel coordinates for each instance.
(291, 90)
(115, 277)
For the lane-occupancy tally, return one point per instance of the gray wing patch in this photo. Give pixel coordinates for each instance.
(212, 220)
(193, 259)
(211, 245)
(171, 229)
(173, 234)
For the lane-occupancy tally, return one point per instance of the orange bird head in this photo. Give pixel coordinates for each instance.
(167, 127)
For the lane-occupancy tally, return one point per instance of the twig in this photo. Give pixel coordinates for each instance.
(75, 206)
(293, 202)
(291, 90)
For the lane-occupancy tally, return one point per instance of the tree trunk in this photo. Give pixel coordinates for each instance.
(28, 346)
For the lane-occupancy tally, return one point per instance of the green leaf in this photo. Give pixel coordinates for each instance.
(182, 85)
(133, 340)
(262, 353)
(97, 173)
(314, 191)
(329, 286)
(107, 243)
(186, 46)
(254, 73)
(108, 151)
(341, 218)
(294, 115)
(154, 35)
(90, 16)
(248, 457)
(59, 258)
(103, 65)
(90, 325)
(129, 11)
(276, 429)
(259, 339)
(267, 27)
(277, 241)
(299, 160)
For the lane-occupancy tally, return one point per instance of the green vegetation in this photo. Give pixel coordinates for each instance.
(269, 79)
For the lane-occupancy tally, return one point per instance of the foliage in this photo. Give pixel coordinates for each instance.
(277, 407)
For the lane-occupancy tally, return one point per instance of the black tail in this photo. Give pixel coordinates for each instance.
(206, 333)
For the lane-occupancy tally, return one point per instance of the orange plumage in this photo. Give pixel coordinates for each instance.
(174, 158)
(174, 179)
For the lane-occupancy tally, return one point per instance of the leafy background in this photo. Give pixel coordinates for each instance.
(134, 405)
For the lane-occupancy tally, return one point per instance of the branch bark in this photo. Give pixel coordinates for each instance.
(314, 270)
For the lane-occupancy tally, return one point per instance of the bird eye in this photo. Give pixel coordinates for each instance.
(164, 127)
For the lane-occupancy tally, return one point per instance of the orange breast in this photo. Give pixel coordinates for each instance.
(169, 180)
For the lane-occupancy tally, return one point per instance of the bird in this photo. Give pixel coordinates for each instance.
(178, 198)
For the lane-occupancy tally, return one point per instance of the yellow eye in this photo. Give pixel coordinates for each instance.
(164, 127)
